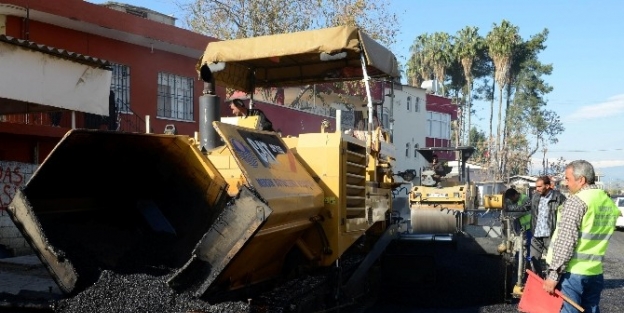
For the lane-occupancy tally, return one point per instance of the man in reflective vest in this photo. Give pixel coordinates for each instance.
(519, 206)
(585, 223)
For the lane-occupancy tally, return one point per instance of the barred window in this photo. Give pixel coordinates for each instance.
(175, 97)
(120, 85)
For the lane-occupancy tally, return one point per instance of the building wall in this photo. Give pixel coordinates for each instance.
(292, 122)
(443, 106)
(409, 127)
(25, 149)
(144, 64)
(22, 140)
(408, 133)
(13, 175)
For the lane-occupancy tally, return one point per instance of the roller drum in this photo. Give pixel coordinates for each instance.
(430, 220)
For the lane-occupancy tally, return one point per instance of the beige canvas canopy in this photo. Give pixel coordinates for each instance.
(291, 59)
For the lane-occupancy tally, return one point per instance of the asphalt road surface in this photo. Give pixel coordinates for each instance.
(420, 278)
(469, 282)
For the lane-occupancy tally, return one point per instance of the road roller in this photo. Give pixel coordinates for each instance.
(491, 194)
(234, 207)
(439, 204)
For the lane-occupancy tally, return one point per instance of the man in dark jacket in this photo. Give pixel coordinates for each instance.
(437, 167)
(544, 206)
(239, 109)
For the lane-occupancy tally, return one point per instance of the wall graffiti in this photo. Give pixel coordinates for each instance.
(12, 176)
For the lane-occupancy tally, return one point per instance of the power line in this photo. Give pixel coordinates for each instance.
(585, 151)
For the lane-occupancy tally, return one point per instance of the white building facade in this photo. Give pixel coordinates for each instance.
(407, 118)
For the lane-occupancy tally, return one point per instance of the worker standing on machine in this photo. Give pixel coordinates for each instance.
(239, 109)
(438, 168)
(519, 206)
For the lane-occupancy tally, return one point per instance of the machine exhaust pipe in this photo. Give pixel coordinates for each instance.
(209, 111)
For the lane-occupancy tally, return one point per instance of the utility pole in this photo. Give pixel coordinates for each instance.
(544, 162)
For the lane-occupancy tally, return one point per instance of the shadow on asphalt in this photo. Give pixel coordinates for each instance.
(458, 277)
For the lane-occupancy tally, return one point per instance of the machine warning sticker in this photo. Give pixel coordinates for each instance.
(266, 147)
(244, 153)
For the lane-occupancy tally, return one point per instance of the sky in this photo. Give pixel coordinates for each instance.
(585, 46)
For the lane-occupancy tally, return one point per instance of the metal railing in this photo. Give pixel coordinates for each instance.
(130, 122)
(54, 119)
(127, 121)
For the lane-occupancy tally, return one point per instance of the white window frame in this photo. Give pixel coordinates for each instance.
(439, 125)
(385, 118)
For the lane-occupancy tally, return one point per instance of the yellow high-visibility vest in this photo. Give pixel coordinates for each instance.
(596, 228)
(525, 220)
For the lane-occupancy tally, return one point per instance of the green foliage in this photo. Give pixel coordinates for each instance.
(556, 167)
(501, 42)
(525, 124)
(479, 141)
(234, 19)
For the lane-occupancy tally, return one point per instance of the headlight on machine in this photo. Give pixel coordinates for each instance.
(456, 194)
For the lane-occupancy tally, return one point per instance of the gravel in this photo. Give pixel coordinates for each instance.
(461, 281)
(139, 293)
(115, 292)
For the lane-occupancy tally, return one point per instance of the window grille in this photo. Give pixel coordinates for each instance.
(120, 85)
(175, 97)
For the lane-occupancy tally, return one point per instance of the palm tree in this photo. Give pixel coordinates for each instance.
(439, 52)
(419, 65)
(501, 42)
(467, 43)
(414, 70)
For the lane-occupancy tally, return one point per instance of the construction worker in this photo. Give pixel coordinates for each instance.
(585, 223)
(519, 206)
(544, 206)
(239, 109)
(437, 168)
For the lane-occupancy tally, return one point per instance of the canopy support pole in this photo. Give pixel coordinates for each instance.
(369, 105)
